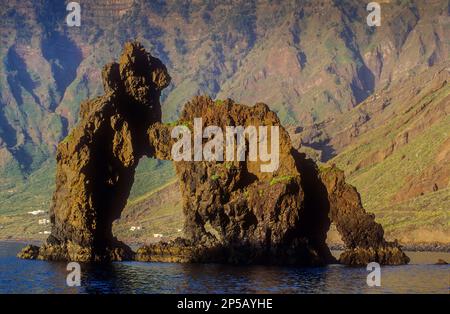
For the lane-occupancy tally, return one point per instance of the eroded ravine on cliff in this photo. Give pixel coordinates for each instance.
(234, 212)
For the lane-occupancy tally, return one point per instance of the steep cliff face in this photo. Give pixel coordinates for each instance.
(235, 211)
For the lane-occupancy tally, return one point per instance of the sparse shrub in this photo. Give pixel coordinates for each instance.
(276, 180)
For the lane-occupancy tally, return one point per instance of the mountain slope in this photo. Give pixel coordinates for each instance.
(395, 148)
(311, 61)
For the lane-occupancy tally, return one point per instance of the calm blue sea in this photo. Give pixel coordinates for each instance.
(24, 276)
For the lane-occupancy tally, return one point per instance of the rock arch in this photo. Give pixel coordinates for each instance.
(276, 218)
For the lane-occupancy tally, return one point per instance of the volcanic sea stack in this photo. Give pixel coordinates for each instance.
(234, 212)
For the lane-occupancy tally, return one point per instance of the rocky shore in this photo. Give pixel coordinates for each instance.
(411, 247)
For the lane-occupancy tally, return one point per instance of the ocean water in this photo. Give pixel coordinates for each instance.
(25, 276)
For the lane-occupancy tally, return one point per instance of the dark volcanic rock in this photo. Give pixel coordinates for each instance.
(234, 211)
(363, 237)
(29, 252)
(233, 207)
(328, 198)
(256, 217)
(97, 161)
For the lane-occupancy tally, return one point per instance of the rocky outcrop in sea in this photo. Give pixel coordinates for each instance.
(234, 211)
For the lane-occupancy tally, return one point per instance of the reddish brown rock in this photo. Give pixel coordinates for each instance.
(363, 237)
(329, 199)
(97, 160)
(234, 211)
(254, 217)
(232, 207)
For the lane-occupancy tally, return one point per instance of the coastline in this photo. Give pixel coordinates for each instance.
(411, 247)
(22, 241)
